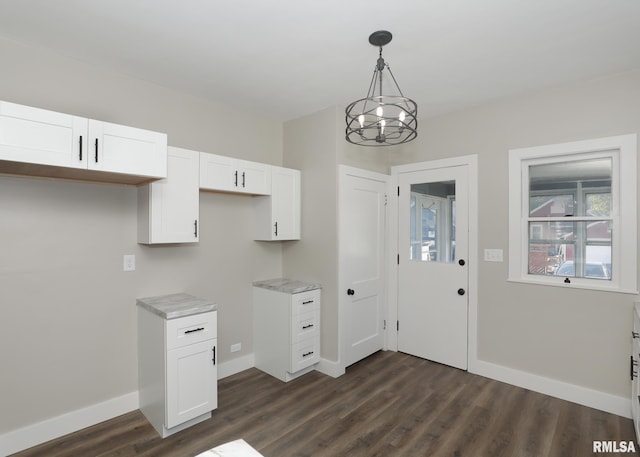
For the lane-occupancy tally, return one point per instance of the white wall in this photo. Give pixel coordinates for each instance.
(68, 326)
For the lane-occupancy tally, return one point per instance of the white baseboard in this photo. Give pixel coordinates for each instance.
(613, 404)
(330, 368)
(32, 435)
(236, 365)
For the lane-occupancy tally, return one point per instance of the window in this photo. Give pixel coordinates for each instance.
(572, 214)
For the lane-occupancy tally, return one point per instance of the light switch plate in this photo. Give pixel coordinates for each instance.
(493, 255)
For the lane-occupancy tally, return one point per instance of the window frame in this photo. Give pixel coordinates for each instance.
(623, 151)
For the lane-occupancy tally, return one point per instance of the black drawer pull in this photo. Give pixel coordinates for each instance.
(635, 335)
(80, 148)
(307, 326)
(307, 302)
(306, 354)
(199, 329)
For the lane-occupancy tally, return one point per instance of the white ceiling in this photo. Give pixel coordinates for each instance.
(288, 58)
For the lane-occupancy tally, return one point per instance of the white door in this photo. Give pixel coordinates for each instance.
(362, 200)
(433, 264)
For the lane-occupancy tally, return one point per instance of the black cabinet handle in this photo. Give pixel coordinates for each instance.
(635, 334)
(307, 354)
(304, 327)
(96, 150)
(243, 179)
(351, 292)
(214, 355)
(632, 364)
(276, 226)
(461, 292)
(80, 148)
(307, 302)
(199, 329)
(195, 232)
(235, 183)
(461, 262)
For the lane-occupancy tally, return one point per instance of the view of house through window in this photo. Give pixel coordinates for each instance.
(433, 222)
(570, 218)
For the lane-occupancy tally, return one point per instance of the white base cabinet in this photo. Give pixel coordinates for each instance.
(635, 371)
(39, 142)
(177, 369)
(277, 216)
(168, 209)
(286, 332)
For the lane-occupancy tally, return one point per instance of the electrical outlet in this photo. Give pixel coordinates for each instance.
(236, 347)
(129, 262)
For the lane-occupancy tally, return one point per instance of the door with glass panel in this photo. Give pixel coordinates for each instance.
(432, 264)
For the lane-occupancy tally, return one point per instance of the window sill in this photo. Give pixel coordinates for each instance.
(559, 282)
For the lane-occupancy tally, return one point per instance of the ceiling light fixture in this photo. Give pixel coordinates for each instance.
(382, 120)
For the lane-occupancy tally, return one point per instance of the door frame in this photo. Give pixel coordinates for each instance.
(471, 161)
(343, 337)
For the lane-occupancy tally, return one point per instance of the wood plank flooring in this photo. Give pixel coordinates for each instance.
(390, 404)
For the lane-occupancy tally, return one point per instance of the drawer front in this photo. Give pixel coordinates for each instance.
(305, 302)
(183, 331)
(304, 354)
(305, 326)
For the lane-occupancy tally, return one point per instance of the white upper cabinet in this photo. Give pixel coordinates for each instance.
(33, 135)
(277, 216)
(121, 149)
(33, 140)
(226, 174)
(168, 209)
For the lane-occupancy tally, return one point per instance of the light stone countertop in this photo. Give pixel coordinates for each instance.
(173, 306)
(288, 286)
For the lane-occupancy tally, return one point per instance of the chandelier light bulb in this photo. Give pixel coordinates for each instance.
(379, 111)
(382, 124)
(361, 120)
(401, 117)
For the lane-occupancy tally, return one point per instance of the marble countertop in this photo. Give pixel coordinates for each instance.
(176, 305)
(288, 286)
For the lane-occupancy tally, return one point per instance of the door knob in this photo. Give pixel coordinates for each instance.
(461, 262)
(351, 292)
(460, 291)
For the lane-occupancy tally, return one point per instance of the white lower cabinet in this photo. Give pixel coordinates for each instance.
(286, 331)
(168, 209)
(177, 369)
(634, 371)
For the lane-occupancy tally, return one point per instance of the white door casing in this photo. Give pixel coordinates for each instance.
(362, 273)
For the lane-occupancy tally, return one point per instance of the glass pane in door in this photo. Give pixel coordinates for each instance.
(433, 222)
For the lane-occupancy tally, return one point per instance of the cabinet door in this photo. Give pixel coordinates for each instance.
(168, 209)
(128, 150)
(217, 173)
(37, 136)
(254, 177)
(277, 216)
(192, 382)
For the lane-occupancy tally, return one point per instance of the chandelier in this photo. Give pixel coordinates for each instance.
(382, 119)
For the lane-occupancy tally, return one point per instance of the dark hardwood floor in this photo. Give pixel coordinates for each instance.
(390, 404)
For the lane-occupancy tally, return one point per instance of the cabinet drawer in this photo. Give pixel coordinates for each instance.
(304, 354)
(305, 302)
(191, 329)
(305, 326)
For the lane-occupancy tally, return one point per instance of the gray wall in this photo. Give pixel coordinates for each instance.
(577, 336)
(68, 310)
